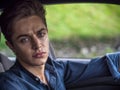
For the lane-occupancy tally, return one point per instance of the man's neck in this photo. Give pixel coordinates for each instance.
(38, 71)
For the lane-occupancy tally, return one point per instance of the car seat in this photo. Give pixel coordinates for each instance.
(5, 63)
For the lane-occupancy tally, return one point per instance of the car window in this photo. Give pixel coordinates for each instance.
(84, 30)
(81, 30)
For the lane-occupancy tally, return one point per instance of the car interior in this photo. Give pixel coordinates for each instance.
(103, 83)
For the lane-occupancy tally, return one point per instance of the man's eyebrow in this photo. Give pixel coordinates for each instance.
(43, 29)
(25, 35)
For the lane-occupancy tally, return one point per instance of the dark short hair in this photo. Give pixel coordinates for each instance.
(18, 10)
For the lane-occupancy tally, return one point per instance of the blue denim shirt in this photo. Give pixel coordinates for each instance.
(60, 74)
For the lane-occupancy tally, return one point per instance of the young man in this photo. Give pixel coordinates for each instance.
(24, 27)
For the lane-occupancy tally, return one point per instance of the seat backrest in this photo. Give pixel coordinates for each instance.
(5, 63)
(1, 67)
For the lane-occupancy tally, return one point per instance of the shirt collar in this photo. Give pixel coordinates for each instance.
(49, 67)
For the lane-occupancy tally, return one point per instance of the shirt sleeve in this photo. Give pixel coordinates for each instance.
(113, 62)
(107, 65)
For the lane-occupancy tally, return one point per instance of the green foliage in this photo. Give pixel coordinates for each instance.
(2, 42)
(83, 21)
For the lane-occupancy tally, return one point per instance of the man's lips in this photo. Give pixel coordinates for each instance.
(39, 55)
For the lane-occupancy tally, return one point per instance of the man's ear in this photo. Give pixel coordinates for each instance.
(10, 45)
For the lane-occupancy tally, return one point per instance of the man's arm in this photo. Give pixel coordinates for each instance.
(97, 68)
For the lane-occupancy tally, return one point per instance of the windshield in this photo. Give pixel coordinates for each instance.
(81, 30)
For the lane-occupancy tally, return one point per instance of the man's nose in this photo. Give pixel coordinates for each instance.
(36, 43)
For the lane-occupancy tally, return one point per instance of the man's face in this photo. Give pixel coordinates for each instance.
(30, 41)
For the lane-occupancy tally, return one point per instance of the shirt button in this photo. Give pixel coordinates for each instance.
(37, 79)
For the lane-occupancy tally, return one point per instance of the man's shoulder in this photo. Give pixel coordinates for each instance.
(7, 75)
(8, 81)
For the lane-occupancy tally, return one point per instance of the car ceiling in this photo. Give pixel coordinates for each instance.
(4, 3)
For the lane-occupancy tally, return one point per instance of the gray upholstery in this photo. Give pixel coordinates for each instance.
(1, 67)
(5, 63)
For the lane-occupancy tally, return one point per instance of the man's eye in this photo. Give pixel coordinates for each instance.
(41, 34)
(24, 40)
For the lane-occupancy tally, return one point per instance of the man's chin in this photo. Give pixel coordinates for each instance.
(41, 63)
